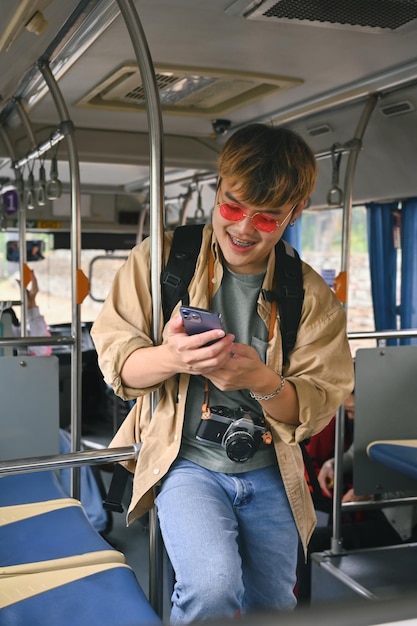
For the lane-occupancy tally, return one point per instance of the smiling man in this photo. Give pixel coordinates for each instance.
(230, 523)
(247, 251)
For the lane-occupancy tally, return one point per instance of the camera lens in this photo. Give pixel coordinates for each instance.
(240, 446)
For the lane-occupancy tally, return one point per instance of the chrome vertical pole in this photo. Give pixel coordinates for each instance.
(153, 109)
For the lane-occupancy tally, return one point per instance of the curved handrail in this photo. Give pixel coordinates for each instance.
(336, 541)
(76, 365)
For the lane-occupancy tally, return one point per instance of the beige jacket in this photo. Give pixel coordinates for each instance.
(320, 368)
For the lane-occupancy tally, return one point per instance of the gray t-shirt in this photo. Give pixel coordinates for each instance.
(236, 300)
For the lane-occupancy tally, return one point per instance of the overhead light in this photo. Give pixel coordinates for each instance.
(397, 108)
(321, 129)
(16, 15)
(207, 92)
(37, 23)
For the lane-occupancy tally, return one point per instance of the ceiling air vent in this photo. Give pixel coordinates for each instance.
(372, 15)
(397, 108)
(187, 91)
(322, 129)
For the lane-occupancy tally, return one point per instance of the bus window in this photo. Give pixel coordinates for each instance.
(54, 278)
(321, 248)
(101, 272)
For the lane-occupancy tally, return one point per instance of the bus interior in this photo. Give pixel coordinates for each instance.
(112, 117)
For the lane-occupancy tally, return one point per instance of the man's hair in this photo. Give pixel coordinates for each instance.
(269, 166)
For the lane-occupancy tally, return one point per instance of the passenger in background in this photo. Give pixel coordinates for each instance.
(320, 447)
(36, 324)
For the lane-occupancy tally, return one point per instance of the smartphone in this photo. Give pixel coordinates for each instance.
(197, 320)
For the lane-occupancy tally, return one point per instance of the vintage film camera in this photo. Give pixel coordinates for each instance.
(239, 431)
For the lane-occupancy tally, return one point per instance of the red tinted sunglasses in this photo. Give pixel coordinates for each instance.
(260, 221)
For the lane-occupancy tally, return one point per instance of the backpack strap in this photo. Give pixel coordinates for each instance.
(175, 279)
(113, 499)
(180, 267)
(288, 293)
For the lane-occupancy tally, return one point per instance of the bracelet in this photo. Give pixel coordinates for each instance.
(270, 395)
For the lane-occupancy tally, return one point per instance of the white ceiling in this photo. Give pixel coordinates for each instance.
(200, 35)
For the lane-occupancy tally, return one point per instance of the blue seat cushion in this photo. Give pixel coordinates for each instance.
(30, 487)
(401, 457)
(107, 598)
(53, 535)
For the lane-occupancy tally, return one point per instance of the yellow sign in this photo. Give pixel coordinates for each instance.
(48, 224)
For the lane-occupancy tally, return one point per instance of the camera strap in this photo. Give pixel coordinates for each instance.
(286, 296)
(205, 408)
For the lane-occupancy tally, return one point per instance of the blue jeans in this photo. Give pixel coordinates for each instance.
(231, 539)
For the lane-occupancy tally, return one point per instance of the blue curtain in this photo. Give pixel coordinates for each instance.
(383, 265)
(408, 308)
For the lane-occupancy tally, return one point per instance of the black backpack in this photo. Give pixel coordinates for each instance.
(176, 277)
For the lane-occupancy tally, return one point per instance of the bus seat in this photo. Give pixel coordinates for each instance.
(45, 485)
(397, 454)
(6, 331)
(381, 415)
(45, 531)
(29, 420)
(53, 562)
(105, 594)
(30, 487)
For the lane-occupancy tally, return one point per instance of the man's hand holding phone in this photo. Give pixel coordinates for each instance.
(197, 321)
(198, 341)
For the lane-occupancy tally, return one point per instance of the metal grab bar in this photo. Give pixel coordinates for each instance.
(156, 220)
(383, 334)
(65, 128)
(70, 459)
(364, 505)
(37, 341)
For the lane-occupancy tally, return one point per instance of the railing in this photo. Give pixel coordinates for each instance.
(70, 459)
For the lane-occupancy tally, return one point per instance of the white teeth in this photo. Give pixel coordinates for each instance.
(238, 242)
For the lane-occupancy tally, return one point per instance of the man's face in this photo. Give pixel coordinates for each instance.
(243, 241)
